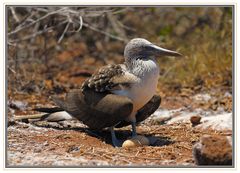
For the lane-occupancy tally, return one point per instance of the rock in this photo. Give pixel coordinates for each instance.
(213, 150)
(18, 105)
(73, 149)
(217, 122)
(195, 120)
(37, 150)
(46, 143)
(202, 97)
(10, 121)
(136, 142)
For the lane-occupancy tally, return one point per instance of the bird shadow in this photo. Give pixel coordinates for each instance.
(123, 135)
(105, 134)
(159, 140)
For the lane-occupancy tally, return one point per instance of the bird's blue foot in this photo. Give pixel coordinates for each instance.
(115, 141)
(134, 131)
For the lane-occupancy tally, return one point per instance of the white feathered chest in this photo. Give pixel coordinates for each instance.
(147, 73)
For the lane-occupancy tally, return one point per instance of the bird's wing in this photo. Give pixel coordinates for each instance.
(109, 78)
(147, 110)
(95, 109)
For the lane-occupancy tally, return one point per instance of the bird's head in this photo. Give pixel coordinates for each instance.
(143, 49)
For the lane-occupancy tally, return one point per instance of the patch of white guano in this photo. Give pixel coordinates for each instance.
(40, 159)
(202, 97)
(217, 120)
(27, 129)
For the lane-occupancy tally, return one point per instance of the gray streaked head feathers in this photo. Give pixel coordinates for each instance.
(136, 47)
(142, 48)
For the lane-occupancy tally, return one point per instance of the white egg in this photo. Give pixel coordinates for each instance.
(136, 141)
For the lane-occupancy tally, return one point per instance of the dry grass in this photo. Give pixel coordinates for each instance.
(207, 59)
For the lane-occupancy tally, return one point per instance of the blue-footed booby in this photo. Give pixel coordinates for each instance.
(119, 95)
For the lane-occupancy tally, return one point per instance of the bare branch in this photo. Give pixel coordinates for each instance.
(34, 116)
(67, 14)
(126, 27)
(36, 33)
(121, 10)
(64, 32)
(13, 71)
(80, 24)
(115, 26)
(103, 32)
(38, 20)
(14, 14)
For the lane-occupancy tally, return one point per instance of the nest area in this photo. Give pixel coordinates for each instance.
(173, 143)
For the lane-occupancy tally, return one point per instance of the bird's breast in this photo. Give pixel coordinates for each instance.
(143, 91)
(140, 92)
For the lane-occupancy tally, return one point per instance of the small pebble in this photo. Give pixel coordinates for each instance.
(195, 120)
(72, 149)
(37, 150)
(46, 143)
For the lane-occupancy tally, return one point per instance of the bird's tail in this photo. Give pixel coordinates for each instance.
(59, 102)
(53, 114)
(49, 110)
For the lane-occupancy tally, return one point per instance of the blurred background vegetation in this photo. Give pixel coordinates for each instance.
(53, 49)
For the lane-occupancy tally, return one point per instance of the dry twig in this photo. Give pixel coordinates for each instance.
(35, 21)
(14, 14)
(63, 15)
(103, 32)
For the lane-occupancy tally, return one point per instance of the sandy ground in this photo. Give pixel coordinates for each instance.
(70, 143)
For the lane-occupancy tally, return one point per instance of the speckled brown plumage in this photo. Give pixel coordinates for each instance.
(99, 110)
(104, 79)
(96, 110)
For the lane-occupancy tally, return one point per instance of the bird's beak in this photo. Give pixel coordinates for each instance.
(158, 51)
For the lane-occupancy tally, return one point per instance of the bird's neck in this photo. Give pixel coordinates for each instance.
(143, 68)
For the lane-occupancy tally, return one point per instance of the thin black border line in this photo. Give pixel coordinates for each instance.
(233, 6)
